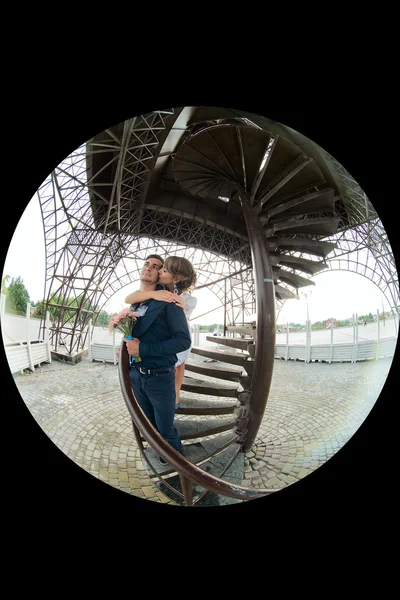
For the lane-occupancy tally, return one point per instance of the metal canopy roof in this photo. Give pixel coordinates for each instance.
(191, 157)
(173, 180)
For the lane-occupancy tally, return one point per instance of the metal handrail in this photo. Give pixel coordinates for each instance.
(264, 330)
(176, 460)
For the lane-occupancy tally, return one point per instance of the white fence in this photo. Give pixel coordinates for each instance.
(103, 352)
(24, 349)
(356, 350)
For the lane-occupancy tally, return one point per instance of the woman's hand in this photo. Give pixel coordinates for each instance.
(164, 296)
(179, 301)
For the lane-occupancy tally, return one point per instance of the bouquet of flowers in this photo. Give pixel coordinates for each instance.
(124, 322)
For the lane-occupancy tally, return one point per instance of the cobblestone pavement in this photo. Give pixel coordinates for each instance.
(312, 411)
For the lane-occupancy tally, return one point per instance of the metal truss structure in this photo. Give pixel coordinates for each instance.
(364, 247)
(103, 213)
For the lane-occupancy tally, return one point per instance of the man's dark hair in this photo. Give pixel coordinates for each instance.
(157, 257)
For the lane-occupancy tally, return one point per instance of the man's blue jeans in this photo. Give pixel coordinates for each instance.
(156, 397)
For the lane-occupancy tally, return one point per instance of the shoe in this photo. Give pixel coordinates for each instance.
(162, 461)
(177, 406)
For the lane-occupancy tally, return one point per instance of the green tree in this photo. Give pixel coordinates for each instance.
(17, 297)
(102, 319)
(40, 310)
(4, 284)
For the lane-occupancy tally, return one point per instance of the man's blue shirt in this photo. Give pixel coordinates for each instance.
(167, 335)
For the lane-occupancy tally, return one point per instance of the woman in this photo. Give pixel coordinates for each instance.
(178, 277)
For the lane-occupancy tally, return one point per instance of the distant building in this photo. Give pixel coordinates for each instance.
(328, 323)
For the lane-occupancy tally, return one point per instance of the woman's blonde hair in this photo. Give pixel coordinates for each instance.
(182, 269)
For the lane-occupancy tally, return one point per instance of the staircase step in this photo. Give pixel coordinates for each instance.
(292, 278)
(210, 388)
(216, 466)
(231, 342)
(313, 247)
(283, 293)
(213, 370)
(196, 452)
(203, 427)
(233, 358)
(322, 226)
(242, 329)
(190, 405)
(300, 264)
(320, 201)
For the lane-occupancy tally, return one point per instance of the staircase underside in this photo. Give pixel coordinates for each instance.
(214, 466)
(217, 180)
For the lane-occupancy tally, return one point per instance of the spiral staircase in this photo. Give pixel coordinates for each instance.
(284, 204)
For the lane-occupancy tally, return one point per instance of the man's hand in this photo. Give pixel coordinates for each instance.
(132, 346)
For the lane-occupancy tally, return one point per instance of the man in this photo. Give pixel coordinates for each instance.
(158, 335)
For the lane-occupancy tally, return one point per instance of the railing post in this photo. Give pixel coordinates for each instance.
(352, 340)
(187, 488)
(394, 313)
(28, 336)
(114, 349)
(331, 348)
(47, 335)
(356, 345)
(378, 338)
(198, 339)
(355, 338)
(90, 340)
(308, 341)
(2, 305)
(265, 324)
(287, 342)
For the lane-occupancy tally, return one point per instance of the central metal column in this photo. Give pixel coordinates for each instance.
(265, 323)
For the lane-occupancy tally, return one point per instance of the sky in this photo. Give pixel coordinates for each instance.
(336, 294)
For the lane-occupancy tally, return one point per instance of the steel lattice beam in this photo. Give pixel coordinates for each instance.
(98, 228)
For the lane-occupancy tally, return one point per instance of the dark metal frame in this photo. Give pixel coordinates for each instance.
(189, 473)
(114, 200)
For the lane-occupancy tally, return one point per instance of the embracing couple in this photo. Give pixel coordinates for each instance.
(161, 338)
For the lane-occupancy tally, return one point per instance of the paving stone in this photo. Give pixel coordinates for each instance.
(287, 468)
(251, 475)
(303, 473)
(148, 491)
(162, 498)
(273, 481)
(312, 411)
(257, 481)
(291, 479)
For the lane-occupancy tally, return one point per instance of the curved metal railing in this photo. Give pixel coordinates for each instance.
(189, 473)
(265, 324)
